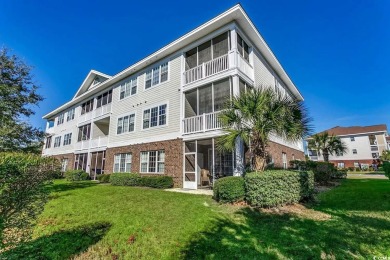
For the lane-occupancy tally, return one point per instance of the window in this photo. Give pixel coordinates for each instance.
(244, 87)
(84, 132)
(207, 51)
(128, 88)
(67, 139)
(64, 164)
(153, 161)
(122, 162)
(156, 75)
(60, 119)
(242, 48)
(80, 161)
(70, 114)
(57, 141)
(375, 155)
(374, 148)
(352, 139)
(48, 142)
(284, 159)
(354, 151)
(126, 124)
(372, 139)
(155, 116)
(87, 107)
(340, 165)
(104, 99)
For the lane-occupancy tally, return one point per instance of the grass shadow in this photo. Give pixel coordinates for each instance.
(256, 235)
(59, 245)
(67, 186)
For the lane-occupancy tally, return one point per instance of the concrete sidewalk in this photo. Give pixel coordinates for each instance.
(196, 192)
(366, 176)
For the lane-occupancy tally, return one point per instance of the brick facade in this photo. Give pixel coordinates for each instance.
(173, 157)
(69, 156)
(276, 150)
(351, 163)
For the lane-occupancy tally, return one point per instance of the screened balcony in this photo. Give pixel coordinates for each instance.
(203, 106)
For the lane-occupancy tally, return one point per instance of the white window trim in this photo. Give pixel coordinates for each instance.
(124, 82)
(123, 115)
(74, 114)
(148, 172)
(158, 126)
(131, 163)
(62, 115)
(154, 66)
(55, 142)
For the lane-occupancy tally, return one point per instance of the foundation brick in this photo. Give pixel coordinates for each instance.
(69, 156)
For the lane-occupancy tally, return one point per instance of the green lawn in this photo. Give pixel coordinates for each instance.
(92, 221)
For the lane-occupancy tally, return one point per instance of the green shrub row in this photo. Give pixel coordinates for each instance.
(76, 175)
(135, 179)
(274, 188)
(229, 189)
(103, 178)
(386, 168)
(323, 171)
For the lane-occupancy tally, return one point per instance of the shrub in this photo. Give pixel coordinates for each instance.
(135, 179)
(386, 168)
(229, 189)
(125, 179)
(340, 174)
(159, 182)
(76, 175)
(23, 193)
(275, 188)
(351, 169)
(103, 178)
(323, 172)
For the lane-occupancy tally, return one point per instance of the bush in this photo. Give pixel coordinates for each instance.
(159, 182)
(340, 174)
(76, 175)
(229, 189)
(103, 178)
(323, 172)
(23, 193)
(275, 188)
(386, 168)
(135, 179)
(125, 179)
(351, 169)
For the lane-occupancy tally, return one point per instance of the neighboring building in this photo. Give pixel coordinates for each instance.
(365, 144)
(388, 142)
(160, 115)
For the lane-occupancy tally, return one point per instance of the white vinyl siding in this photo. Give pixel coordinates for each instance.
(155, 116)
(153, 161)
(156, 75)
(128, 88)
(122, 162)
(126, 124)
(68, 139)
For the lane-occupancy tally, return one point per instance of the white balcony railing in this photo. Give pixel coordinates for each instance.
(202, 123)
(85, 117)
(102, 111)
(232, 60)
(207, 69)
(99, 142)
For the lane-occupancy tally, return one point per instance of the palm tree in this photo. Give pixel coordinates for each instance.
(256, 115)
(327, 145)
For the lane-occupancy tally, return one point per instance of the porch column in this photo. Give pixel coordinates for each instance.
(239, 163)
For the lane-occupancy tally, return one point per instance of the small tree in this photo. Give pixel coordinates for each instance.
(385, 155)
(326, 145)
(256, 115)
(23, 194)
(18, 94)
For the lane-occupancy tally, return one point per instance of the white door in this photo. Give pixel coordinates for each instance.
(190, 166)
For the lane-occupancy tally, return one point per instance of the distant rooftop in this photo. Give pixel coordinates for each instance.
(350, 130)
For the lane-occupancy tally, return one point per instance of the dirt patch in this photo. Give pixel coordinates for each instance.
(299, 211)
(321, 188)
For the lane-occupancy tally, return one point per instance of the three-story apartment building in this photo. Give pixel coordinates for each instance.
(160, 115)
(364, 145)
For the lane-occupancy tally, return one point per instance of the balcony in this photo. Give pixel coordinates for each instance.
(99, 142)
(202, 123)
(231, 60)
(102, 111)
(84, 118)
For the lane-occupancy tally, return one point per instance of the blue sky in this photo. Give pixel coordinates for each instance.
(336, 52)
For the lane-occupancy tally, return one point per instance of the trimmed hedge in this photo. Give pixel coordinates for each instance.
(76, 175)
(135, 179)
(275, 188)
(386, 168)
(103, 178)
(340, 174)
(323, 172)
(229, 189)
